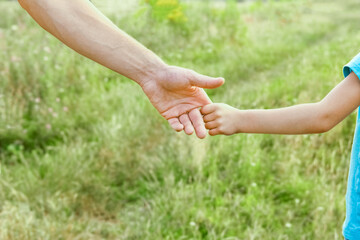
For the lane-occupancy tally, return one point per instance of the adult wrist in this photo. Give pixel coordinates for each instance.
(152, 72)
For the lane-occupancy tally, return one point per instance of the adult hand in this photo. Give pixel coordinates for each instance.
(177, 93)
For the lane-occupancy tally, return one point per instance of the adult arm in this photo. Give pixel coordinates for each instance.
(175, 92)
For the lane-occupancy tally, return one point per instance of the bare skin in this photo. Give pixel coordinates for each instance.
(177, 93)
(299, 119)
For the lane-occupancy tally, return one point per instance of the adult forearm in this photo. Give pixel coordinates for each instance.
(299, 119)
(79, 25)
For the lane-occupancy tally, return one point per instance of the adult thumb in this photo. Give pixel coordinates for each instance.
(203, 81)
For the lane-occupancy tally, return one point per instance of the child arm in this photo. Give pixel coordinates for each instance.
(299, 119)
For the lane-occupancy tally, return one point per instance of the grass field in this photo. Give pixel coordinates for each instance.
(83, 154)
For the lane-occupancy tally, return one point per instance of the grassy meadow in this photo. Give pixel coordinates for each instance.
(84, 155)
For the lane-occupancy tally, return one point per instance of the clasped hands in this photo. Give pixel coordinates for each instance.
(177, 93)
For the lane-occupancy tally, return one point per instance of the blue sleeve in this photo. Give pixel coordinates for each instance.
(353, 66)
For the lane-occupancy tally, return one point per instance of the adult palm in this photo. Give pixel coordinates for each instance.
(177, 93)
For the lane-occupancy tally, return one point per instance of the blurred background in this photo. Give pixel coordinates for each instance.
(84, 155)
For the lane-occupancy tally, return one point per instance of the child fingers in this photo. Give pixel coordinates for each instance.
(214, 132)
(175, 124)
(210, 117)
(208, 109)
(211, 125)
(184, 119)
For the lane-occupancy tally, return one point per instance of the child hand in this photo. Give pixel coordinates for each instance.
(220, 118)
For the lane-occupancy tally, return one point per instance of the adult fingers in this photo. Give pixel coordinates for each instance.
(198, 123)
(211, 125)
(203, 81)
(188, 127)
(210, 117)
(175, 124)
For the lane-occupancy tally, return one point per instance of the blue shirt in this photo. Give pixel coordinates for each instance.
(351, 226)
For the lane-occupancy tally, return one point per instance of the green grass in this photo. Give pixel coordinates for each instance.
(83, 154)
